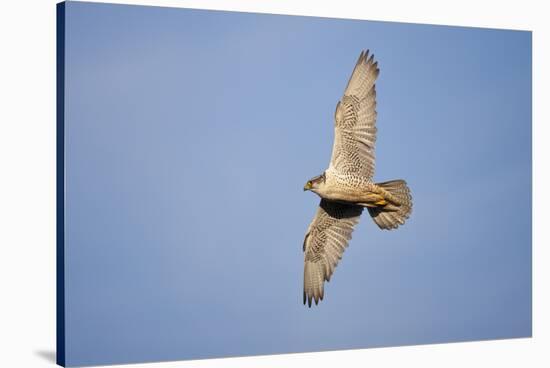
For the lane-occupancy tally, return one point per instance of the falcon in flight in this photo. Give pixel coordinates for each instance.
(347, 186)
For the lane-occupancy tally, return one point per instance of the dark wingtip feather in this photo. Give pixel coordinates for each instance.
(360, 59)
(371, 59)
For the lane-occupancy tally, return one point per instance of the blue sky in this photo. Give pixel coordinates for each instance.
(189, 136)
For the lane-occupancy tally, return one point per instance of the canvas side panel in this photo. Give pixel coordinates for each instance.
(60, 186)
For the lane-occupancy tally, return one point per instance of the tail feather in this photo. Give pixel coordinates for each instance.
(393, 214)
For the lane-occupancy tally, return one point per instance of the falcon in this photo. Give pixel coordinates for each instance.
(347, 186)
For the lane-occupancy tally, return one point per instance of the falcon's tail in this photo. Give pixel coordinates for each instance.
(397, 207)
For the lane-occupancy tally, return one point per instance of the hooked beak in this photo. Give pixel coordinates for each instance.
(308, 186)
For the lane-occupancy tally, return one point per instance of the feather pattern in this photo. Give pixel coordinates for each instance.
(325, 241)
(347, 185)
(355, 121)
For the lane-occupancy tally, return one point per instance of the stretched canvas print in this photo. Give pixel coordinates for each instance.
(238, 184)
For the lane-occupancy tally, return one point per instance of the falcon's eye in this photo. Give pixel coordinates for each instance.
(309, 183)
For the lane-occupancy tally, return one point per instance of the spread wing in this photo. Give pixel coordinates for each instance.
(355, 121)
(326, 239)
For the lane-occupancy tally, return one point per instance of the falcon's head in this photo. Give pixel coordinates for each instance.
(316, 183)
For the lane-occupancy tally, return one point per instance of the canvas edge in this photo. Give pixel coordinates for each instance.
(60, 184)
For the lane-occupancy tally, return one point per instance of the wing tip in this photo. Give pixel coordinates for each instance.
(361, 57)
(366, 56)
(309, 299)
(368, 66)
